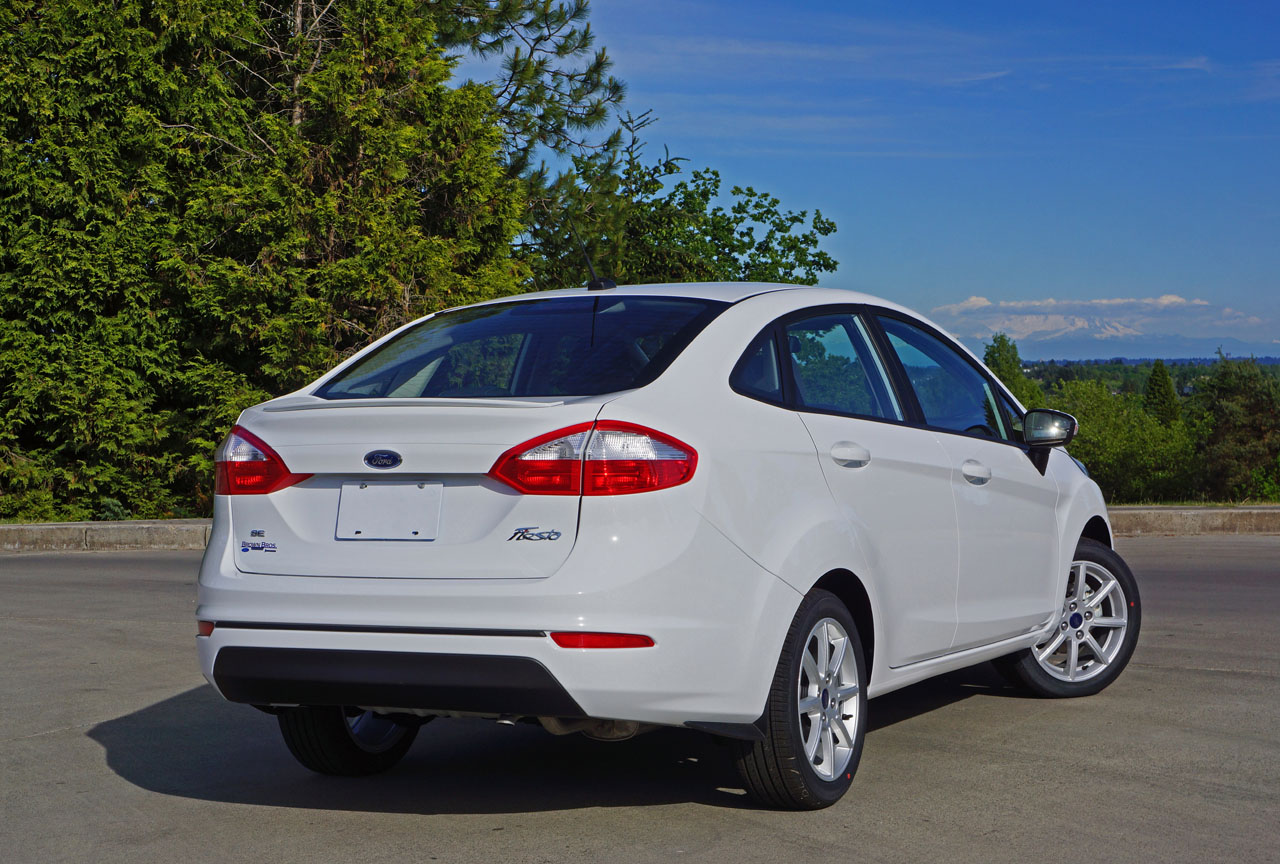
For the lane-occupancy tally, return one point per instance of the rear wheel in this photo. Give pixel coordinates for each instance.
(816, 716)
(1095, 634)
(348, 742)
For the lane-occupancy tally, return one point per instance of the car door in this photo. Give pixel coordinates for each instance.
(1005, 507)
(890, 480)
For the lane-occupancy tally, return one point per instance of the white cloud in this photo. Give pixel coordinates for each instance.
(1099, 318)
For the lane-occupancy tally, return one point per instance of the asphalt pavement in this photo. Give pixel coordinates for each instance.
(112, 748)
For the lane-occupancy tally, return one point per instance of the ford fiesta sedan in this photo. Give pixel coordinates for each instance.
(740, 508)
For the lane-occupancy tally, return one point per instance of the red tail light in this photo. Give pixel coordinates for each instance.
(623, 458)
(550, 464)
(605, 458)
(245, 465)
(578, 639)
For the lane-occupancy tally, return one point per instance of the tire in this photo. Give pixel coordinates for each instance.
(330, 739)
(1099, 621)
(777, 771)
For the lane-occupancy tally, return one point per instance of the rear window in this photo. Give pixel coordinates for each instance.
(560, 346)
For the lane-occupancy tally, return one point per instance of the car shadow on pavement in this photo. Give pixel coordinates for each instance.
(195, 745)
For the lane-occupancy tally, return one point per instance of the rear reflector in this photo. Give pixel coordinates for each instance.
(578, 639)
(204, 628)
(605, 458)
(245, 465)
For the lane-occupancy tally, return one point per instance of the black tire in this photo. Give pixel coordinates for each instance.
(1023, 668)
(330, 739)
(776, 771)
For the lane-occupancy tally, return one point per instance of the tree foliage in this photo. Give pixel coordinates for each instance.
(1131, 454)
(1001, 357)
(552, 88)
(1237, 410)
(646, 221)
(1159, 398)
(205, 203)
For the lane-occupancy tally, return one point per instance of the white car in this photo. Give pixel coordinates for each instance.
(741, 508)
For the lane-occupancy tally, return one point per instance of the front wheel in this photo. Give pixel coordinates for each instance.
(816, 714)
(1095, 632)
(348, 742)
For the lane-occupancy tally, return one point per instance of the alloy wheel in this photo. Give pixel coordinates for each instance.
(1091, 625)
(828, 698)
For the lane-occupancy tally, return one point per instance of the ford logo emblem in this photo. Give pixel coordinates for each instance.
(382, 459)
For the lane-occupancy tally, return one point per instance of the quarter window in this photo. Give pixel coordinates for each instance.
(835, 369)
(757, 374)
(953, 395)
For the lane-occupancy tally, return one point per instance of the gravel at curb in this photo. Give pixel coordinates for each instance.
(194, 533)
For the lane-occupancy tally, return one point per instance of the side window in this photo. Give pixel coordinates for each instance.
(953, 394)
(835, 368)
(757, 372)
(1015, 418)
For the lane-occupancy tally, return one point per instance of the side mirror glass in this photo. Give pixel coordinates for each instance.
(1044, 428)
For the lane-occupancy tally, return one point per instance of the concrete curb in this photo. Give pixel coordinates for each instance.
(1191, 521)
(194, 533)
(97, 536)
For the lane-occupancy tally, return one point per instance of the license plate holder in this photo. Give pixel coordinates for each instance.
(384, 510)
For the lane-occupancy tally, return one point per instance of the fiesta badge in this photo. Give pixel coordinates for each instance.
(382, 459)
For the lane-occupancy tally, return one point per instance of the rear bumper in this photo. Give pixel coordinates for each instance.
(717, 619)
(403, 679)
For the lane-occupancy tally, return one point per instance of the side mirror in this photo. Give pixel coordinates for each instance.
(1044, 428)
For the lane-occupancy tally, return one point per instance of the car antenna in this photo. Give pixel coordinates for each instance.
(596, 283)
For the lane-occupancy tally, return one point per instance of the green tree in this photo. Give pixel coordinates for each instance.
(1130, 454)
(1159, 398)
(1001, 357)
(205, 203)
(552, 87)
(645, 222)
(1236, 411)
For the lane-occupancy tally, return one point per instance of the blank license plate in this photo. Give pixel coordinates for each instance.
(389, 511)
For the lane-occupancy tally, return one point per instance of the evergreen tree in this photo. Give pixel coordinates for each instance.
(1236, 410)
(1159, 398)
(1001, 357)
(642, 223)
(203, 204)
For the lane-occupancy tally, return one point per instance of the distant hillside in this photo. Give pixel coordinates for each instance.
(1069, 347)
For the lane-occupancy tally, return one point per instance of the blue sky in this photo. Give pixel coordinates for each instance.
(1075, 174)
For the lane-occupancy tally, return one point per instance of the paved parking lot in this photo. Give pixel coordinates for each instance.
(112, 748)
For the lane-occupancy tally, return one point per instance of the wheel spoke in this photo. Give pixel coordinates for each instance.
(1073, 660)
(811, 743)
(810, 667)
(824, 651)
(842, 731)
(847, 692)
(838, 659)
(1108, 622)
(1098, 653)
(1052, 646)
(828, 750)
(810, 705)
(1082, 582)
(1100, 594)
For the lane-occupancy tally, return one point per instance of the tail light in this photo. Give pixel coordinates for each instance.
(607, 458)
(245, 465)
(548, 465)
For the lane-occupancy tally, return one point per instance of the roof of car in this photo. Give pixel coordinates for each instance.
(729, 292)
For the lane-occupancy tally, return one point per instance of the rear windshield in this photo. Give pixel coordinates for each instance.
(560, 346)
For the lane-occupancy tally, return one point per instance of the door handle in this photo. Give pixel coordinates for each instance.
(850, 455)
(975, 472)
